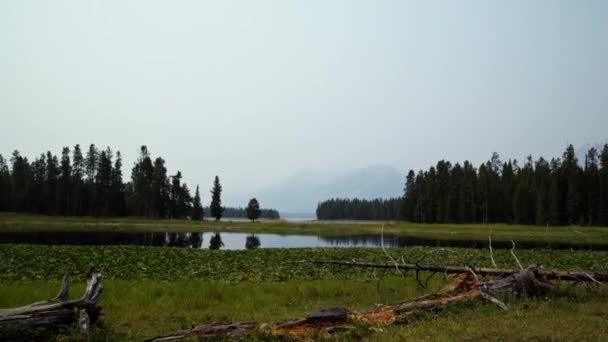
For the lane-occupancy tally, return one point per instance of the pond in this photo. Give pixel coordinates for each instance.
(236, 241)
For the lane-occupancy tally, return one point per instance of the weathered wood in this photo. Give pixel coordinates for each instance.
(60, 311)
(491, 272)
(465, 287)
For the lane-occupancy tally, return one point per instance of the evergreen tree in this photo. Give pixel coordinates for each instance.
(65, 182)
(180, 200)
(185, 202)
(592, 187)
(455, 185)
(523, 199)
(37, 196)
(556, 201)
(571, 175)
(495, 212)
(118, 188)
(242, 212)
(103, 183)
(160, 191)
(253, 209)
(5, 185)
(508, 190)
(142, 176)
(407, 210)
(216, 202)
(443, 191)
(603, 180)
(270, 214)
(355, 209)
(467, 193)
(216, 241)
(175, 195)
(197, 208)
(542, 184)
(52, 179)
(557, 192)
(91, 163)
(481, 193)
(78, 172)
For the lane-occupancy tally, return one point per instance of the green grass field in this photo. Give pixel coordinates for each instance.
(136, 310)
(152, 290)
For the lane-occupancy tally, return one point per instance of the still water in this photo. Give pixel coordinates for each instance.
(236, 241)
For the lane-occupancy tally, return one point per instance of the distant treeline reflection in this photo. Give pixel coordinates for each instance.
(183, 240)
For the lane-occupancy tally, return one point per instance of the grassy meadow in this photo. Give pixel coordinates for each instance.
(152, 290)
(135, 310)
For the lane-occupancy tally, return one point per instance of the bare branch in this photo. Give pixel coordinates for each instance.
(470, 270)
(491, 272)
(493, 300)
(593, 279)
(491, 253)
(515, 256)
(388, 254)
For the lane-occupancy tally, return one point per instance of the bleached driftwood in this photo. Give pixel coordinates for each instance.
(60, 311)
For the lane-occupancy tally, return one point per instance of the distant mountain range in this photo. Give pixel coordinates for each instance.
(300, 193)
(297, 197)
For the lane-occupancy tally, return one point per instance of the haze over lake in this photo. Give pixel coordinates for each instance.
(264, 93)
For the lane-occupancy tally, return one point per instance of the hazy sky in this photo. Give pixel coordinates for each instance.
(256, 90)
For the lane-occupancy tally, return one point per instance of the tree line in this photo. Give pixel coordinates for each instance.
(560, 191)
(240, 212)
(541, 192)
(360, 209)
(91, 183)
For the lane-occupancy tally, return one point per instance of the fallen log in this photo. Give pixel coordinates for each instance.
(489, 272)
(464, 287)
(60, 311)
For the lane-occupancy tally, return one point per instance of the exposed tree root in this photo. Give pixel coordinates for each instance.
(60, 311)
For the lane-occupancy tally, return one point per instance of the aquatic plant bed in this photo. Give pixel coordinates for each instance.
(34, 262)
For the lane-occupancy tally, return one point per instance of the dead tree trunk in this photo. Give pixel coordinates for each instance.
(465, 287)
(486, 272)
(60, 311)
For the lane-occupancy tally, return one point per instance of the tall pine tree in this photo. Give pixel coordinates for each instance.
(103, 183)
(603, 176)
(160, 190)
(52, 180)
(5, 185)
(216, 200)
(65, 182)
(591, 187)
(118, 188)
(198, 212)
(142, 179)
(78, 172)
